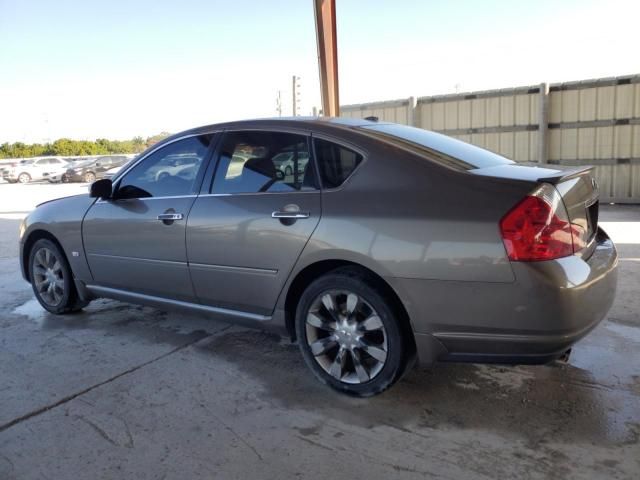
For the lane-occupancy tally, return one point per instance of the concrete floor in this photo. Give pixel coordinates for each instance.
(121, 391)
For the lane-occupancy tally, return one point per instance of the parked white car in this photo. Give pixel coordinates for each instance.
(286, 164)
(37, 169)
(112, 172)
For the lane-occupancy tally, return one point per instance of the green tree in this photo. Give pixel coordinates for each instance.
(67, 147)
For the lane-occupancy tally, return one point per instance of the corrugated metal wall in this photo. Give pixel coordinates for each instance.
(396, 111)
(592, 122)
(500, 120)
(597, 122)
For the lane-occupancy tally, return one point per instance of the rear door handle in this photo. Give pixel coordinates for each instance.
(291, 215)
(170, 217)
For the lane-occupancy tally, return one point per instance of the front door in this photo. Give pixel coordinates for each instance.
(245, 235)
(136, 240)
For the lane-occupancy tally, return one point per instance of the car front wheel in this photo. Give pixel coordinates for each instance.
(90, 177)
(51, 278)
(349, 335)
(24, 178)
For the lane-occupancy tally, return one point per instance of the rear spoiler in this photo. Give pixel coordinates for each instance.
(563, 175)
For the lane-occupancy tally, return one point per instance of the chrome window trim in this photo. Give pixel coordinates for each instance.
(292, 130)
(292, 192)
(101, 200)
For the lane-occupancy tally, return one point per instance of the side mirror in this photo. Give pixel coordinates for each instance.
(101, 189)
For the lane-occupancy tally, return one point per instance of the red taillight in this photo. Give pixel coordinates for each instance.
(538, 228)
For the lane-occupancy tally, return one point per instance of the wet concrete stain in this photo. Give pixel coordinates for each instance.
(538, 403)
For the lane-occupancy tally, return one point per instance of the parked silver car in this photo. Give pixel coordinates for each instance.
(394, 243)
(35, 169)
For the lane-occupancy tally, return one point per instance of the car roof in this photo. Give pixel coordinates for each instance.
(327, 123)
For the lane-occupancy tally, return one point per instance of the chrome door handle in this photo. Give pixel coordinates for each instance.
(170, 217)
(292, 215)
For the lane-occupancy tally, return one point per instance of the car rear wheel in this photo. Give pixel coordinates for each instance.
(24, 178)
(349, 335)
(89, 177)
(288, 171)
(51, 278)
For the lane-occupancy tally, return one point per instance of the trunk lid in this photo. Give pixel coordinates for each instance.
(579, 194)
(576, 186)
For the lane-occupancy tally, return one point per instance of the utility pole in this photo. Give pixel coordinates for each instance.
(295, 90)
(327, 39)
(279, 103)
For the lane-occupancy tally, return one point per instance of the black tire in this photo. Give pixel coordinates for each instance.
(367, 291)
(65, 179)
(89, 177)
(69, 300)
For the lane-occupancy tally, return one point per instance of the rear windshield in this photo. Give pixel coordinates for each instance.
(449, 151)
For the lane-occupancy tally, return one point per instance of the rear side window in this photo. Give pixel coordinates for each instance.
(335, 162)
(254, 162)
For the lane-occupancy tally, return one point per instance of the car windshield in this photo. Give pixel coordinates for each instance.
(449, 151)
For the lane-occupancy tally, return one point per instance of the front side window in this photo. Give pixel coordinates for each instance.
(335, 162)
(254, 162)
(170, 171)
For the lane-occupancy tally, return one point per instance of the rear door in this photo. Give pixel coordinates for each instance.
(247, 230)
(136, 241)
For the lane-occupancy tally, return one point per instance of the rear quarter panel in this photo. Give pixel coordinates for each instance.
(405, 217)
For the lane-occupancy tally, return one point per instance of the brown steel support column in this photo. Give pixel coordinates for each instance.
(325, 12)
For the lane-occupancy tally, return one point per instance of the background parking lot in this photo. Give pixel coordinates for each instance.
(122, 391)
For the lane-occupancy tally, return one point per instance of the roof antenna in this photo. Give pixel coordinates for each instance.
(371, 119)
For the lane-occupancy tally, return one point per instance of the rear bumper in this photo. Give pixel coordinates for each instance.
(550, 306)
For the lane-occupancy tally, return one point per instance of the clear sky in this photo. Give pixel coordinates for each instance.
(85, 69)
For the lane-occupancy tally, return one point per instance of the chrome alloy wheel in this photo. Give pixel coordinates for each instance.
(48, 277)
(346, 336)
